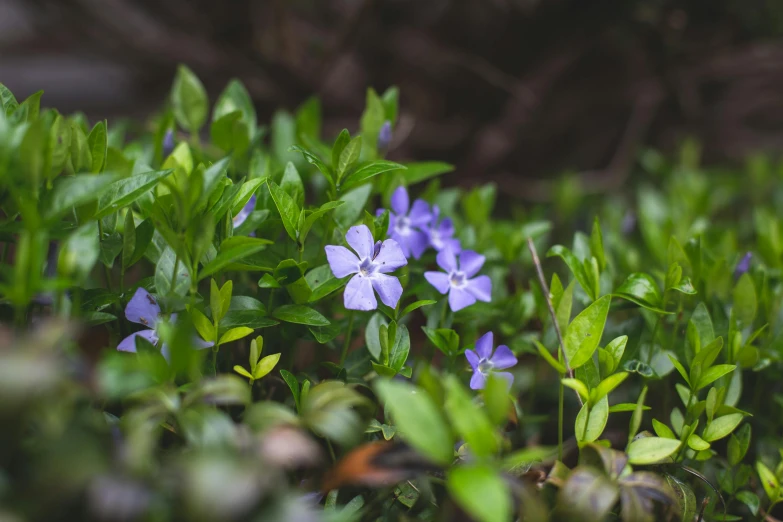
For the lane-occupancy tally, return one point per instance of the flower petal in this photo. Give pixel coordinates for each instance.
(390, 258)
(459, 299)
(447, 260)
(439, 280)
(484, 345)
(129, 343)
(143, 308)
(472, 358)
(341, 260)
(400, 201)
(359, 294)
(446, 228)
(360, 239)
(420, 213)
(480, 287)
(453, 244)
(388, 287)
(503, 358)
(200, 344)
(508, 377)
(418, 242)
(470, 262)
(478, 381)
(243, 214)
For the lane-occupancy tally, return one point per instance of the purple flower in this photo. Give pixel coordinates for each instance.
(743, 266)
(484, 362)
(463, 291)
(144, 309)
(385, 136)
(243, 214)
(168, 143)
(406, 224)
(370, 267)
(442, 234)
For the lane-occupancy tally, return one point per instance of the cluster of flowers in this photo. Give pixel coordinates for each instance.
(412, 230)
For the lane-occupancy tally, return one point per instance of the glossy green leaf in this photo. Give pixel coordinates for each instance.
(189, 100)
(287, 208)
(367, 171)
(422, 171)
(97, 143)
(584, 333)
(125, 191)
(643, 290)
(300, 314)
(481, 492)
(74, 191)
(721, 427)
(649, 450)
(231, 250)
(469, 421)
(576, 267)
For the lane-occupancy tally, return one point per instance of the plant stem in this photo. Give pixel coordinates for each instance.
(545, 290)
(214, 359)
(560, 420)
(347, 342)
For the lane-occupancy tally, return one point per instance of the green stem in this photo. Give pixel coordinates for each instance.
(214, 359)
(106, 272)
(560, 401)
(347, 342)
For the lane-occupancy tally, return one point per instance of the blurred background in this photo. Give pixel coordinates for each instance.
(512, 91)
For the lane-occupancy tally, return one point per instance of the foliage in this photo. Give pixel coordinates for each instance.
(264, 326)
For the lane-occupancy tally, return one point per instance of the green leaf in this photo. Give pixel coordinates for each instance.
(714, 373)
(204, 326)
(291, 183)
(286, 206)
(481, 492)
(189, 100)
(372, 335)
(245, 193)
(469, 421)
(80, 252)
(597, 244)
(721, 427)
(591, 420)
(372, 120)
(266, 365)
(751, 501)
(418, 419)
(165, 269)
(293, 384)
(73, 191)
(418, 172)
(300, 314)
(80, 150)
(680, 368)
(415, 306)
(576, 267)
(125, 191)
(444, 339)
(585, 331)
(686, 499)
(559, 368)
(400, 349)
(606, 386)
(643, 290)
(241, 371)
(235, 334)
(230, 133)
(128, 240)
(744, 310)
(662, 430)
(144, 233)
(315, 160)
(316, 214)
(339, 145)
(7, 100)
(348, 157)
(235, 98)
(738, 445)
(769, 481)
(98, 144)
(578, 386)
(231, 250)
(355, 201)
(649, 450)
(697, 443)
(367, 171)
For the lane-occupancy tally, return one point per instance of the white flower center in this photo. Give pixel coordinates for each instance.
(485, 366)
(457, 279)
(367, 267)
(402, 225)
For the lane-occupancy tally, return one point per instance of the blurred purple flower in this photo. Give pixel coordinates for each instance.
(385, 136)
(743, 266)
(243, 214)
(370, 267)
(144, 309)
(442, 233)
(463, 291)
(484, 362)
(407, 224)
(629, 223)
(168, 143)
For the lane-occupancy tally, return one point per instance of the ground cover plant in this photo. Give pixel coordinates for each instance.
(209, 318)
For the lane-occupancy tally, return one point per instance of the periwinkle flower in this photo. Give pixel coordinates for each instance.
(743, 266)
(373, 262)
(144, 309)
(243, 214)
(458, 280)
(407, 224)
(385, 136)
(484, 362)
(441, 233)
(168, 143)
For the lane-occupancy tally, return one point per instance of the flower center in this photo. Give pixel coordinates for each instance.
(457, 279)
(485, 365)
(402, 225)
(367, 267)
